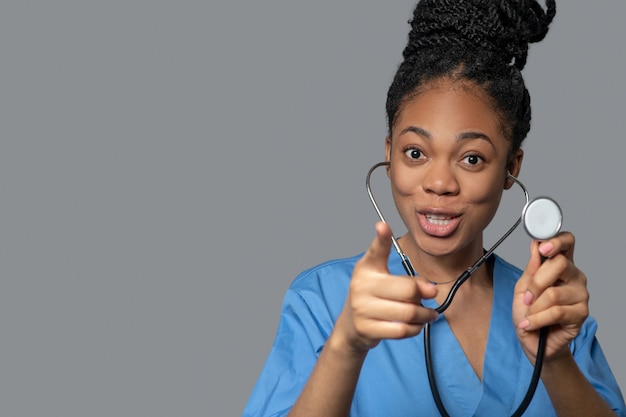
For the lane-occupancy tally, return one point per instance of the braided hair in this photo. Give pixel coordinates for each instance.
(484, 42)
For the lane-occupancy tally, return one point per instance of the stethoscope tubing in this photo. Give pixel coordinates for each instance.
(410, 270)
(406, 262)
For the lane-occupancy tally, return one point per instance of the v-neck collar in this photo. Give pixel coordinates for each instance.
(461, 390)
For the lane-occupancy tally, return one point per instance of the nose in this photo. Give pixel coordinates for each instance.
(440, 179)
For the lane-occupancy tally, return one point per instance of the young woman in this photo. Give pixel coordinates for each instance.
(458, 111)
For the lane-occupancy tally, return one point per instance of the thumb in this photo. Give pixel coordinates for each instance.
(534, 262)
(536, 259)
(377, 255)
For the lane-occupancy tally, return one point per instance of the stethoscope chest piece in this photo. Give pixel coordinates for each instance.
(542, 218)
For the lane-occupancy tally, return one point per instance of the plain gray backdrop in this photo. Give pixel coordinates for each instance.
(168, 167)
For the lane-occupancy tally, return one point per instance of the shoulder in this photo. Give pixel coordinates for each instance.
(317, 295)
(332, 273)
(322, 287)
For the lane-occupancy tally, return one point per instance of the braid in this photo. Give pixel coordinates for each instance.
(483, 41)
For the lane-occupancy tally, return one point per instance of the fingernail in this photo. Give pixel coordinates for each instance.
(528, 298)
(523, 324)
(545, 248)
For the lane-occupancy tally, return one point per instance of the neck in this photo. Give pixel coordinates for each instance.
(444, 270)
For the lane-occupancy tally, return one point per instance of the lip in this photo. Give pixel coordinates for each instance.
(438, 222)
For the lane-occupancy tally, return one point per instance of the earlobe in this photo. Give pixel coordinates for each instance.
(508, 183)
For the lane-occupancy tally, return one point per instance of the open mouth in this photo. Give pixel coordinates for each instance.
(438, 219)
(439, 224)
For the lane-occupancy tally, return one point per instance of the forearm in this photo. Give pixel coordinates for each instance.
(330, 388)
(571, 393)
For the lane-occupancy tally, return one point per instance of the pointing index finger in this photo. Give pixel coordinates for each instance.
(377, 255)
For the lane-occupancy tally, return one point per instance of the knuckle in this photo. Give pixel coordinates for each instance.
(561, 263)
(402, 332)
(408, 313)
(356, 285)
(584, 311)
(568, 238)
(559, 315)
(412, 290)
(361, 263)
(582, 308)
(552, 295)
(359, 306)
(361, 281)
(361, 329)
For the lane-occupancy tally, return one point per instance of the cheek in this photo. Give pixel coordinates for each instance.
(481, 193)
(402, 182)
(487, 200)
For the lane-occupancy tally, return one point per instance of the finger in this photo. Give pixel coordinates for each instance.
(562, 315)
(403, 312)
(536, 257)
(401, 288)
(391, 329)
(426, 288)
(547, 267)
(563, 243)
(564, 295)
(557, 271)
(552, 272)
(534, 262)
(377, 255)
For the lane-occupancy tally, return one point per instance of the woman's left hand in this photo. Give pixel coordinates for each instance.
(551, 292)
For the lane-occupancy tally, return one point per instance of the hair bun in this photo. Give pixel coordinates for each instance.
(503, 28)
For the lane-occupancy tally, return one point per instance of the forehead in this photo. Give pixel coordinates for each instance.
(450, 108)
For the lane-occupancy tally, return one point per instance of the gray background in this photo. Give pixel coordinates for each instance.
(168, 167)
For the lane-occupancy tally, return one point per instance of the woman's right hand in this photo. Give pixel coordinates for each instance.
(380, 305)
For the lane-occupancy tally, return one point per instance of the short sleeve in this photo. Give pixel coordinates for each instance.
(290, 362)
(594, 365)
(310, 308)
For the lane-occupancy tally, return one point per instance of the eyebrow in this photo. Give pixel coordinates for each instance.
(417, 130)
(463, 136)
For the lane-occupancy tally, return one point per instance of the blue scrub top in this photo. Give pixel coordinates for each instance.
(393, 380)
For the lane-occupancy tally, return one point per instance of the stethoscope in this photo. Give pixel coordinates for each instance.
(542, 218)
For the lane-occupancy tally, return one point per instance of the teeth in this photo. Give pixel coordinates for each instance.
(437, 219)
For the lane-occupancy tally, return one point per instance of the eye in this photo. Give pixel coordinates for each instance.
(472, 160)
(413, 153)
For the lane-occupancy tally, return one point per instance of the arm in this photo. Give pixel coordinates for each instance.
(569, 390)
(332, 383)
(378, 306)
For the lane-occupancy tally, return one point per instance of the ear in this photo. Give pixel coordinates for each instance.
(387, 152)
(514, 167)
(387, 149)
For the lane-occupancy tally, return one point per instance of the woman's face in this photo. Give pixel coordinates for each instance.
(448, 168)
